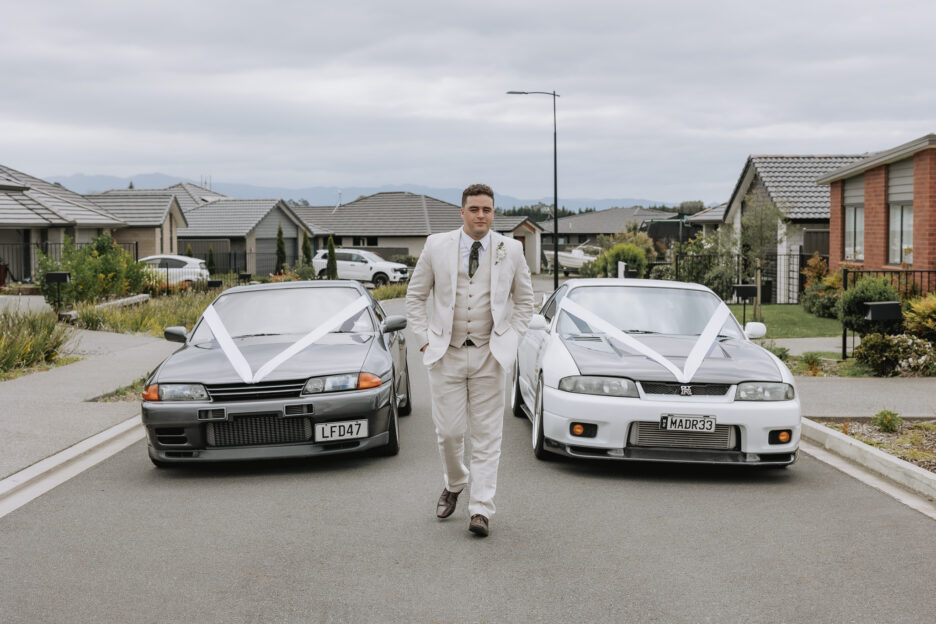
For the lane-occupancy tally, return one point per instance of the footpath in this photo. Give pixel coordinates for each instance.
(48, 416)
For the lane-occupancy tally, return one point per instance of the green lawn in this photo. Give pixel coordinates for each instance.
(791, 321)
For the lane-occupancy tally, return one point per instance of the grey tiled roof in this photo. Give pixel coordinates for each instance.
(225, 218)
(607, 222)
(192, 196)
(394, 213)
(791, 182)
(136, 208)
(30, 201)
(715, 214)
(881, 158)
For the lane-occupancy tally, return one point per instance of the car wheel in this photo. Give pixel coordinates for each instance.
(380, 280)
(539, 438)
(516, 399)
(406, 407)
(392, 447)
(322, 274)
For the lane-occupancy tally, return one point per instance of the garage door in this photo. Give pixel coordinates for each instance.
(266, 254)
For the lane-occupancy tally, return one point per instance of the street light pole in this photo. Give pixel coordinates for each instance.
(555, 183)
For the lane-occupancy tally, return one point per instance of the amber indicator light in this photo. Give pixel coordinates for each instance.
(151, 393)
(578, 429)
(367, 380)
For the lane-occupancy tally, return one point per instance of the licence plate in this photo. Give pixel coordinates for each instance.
(677, 422)
(344, 430)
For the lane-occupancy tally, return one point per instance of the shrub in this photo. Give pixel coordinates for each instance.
(389, 291)
(280, 250)
(331, 265)
(822, 295)
(152, 317)
(887, 421)
(782, 353)
(409, 261)
(634, 256)
(98, 270)
(210, 262)
(877, 353)
(813, 362)
(920, 317)
(29, 339)
(852, 309)
(816, 269)
(662, 272)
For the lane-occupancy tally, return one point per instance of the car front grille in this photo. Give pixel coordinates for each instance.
(257, 391)
(677, 389)
(260, 429)
(650, 434)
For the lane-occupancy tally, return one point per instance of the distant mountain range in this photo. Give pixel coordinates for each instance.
(327, 195)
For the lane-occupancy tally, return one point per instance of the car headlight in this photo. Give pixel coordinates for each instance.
(764, 391)
(608, 386)
(337, 383)
(175, 392)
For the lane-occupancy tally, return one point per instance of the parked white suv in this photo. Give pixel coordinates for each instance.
(180, 269)
(364, 266)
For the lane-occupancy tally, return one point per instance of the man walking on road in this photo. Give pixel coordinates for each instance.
(468, 327)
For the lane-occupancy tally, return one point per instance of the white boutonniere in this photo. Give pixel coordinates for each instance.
(500, 254)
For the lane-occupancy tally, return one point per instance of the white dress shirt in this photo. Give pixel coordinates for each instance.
(465, 243)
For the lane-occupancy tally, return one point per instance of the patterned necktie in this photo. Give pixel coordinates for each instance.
(473, 258)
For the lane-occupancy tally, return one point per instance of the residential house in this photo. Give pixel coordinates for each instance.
(587, 226)
(709, 219)
(789, 182)
(883, 208)
(398, 222)
(241, 233)
(152, 218)
(37, 215)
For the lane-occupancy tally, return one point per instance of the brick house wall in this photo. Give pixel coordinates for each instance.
(876, 212)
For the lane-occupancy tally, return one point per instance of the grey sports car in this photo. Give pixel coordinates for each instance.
(293, 369)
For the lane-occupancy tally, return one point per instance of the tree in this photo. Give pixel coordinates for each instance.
(280, 250)
(130, 186)
(306, 248)
(331, 266)
(210, 262)
(188, 250)
(762, 229)
(690, 207)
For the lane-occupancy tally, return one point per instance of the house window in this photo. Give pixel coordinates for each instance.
(365, 241)
(854, 232)
(900, 234)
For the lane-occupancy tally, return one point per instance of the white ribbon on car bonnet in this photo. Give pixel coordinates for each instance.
(701, 348)
(239, 362)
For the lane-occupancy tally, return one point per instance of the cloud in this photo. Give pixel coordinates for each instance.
(661, 100)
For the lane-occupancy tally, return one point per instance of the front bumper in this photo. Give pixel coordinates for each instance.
(616, 418)
(175, 434)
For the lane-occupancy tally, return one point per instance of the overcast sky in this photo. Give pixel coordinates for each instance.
(662, 100)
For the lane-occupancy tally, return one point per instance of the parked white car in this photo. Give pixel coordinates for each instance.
(180, 269)
(648, 370)
(363, 266)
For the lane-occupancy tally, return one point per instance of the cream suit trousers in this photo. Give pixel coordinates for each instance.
(467, 387)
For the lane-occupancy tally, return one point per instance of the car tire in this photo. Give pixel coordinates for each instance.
(393, 446)
(405, 408)
(380, 280)
(539, 439)
(322, 274)
(516, 399)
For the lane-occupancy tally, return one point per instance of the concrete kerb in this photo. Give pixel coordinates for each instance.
(921, 481)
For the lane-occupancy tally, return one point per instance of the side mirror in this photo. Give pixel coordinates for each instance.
(755, 330)
(175, 334)
(393, 323)
(538, 321)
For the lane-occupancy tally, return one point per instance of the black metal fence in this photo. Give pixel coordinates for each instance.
(782, 280)
(908, 282)
(20, 260)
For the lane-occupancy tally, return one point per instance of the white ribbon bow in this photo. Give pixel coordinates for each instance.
(701, 348)
(239, 362)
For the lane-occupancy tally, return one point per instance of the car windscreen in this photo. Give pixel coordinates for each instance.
(287, 311)
(647, 310)
(370, 255)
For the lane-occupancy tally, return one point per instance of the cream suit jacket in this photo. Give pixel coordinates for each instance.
(434, 281)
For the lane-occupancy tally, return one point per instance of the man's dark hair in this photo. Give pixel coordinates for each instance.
(477, 189)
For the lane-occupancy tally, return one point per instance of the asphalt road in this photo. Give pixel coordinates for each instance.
(355, 539)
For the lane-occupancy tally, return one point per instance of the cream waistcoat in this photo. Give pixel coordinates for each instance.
(472, 315)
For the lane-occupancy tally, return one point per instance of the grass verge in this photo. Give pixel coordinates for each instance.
(390, 291)
(152, 317)
(28, 370)
(126, 393)
(914, 442)
(29, 340)
(791, 321)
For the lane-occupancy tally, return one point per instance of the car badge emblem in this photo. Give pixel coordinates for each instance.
(685, 390)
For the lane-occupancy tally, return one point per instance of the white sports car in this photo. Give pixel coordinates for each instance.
(652, 370)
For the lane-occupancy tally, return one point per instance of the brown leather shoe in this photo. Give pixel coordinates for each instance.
(479, 525)
(446, 505)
